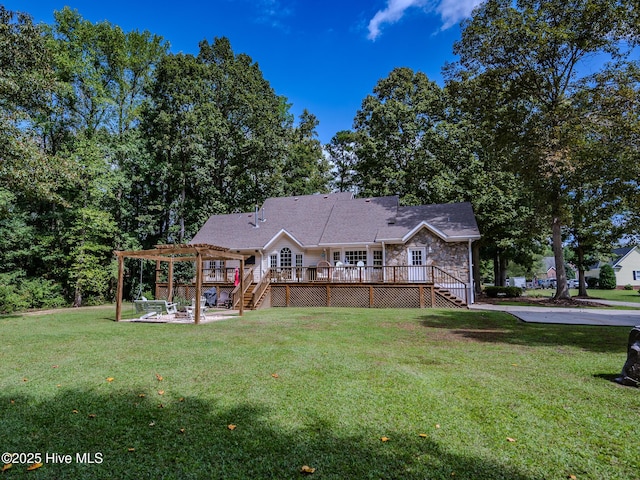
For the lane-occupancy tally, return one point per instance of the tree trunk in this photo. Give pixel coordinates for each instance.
(77, 298)
(582, 287)
(499, 270)
(562, 290)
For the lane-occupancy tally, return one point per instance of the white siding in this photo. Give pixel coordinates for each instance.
(631, 263)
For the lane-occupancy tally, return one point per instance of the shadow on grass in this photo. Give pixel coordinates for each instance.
(496, 327)
(188, 438)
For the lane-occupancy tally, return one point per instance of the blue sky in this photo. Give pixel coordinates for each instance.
(325, 56)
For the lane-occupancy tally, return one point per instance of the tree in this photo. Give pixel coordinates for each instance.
(26, 81)
(530, 53)
(404, 145)
(341, 152)
(218, 136)
(306, 170)
(607, 277)
(90, 126)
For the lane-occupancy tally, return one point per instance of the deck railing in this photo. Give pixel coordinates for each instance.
(221, 275)
(372, 274)
(237, 296)
(403, 274)
(261, 286)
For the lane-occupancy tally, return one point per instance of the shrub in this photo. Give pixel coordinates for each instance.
(42, 293)
(607, 278)
(494, 292)
(628, 287)
(20, 293)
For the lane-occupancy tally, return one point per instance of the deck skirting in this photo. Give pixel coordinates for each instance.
(360, 296)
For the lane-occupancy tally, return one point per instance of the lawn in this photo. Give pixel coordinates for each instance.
(617, 295)
(593, 294)
(453, 394)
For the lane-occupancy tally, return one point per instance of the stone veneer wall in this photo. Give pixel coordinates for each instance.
(453, 258)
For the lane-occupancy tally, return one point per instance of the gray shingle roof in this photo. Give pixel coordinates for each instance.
(337, 218)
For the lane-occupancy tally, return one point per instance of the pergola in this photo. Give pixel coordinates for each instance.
(197, 253)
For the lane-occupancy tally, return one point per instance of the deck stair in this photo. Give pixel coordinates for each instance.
(249, 303)
(445, 293)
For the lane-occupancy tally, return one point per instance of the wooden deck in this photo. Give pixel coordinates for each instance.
(361, 287)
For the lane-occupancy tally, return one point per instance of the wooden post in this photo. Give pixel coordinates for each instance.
(198, 286)
(157, 289)
(370, 296)
(433, 296)
(421, 294)
(241, 286)
(120, 286)
(170, 280)
(328, 295)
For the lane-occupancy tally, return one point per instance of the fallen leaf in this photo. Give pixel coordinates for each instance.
(181, 430)
(385, 439)
(152, 424)
(160, 392)
(423, 435)
(181, 399)
(514, 364)
(131, 449)
(275, 375)
(12, 401)
(54, 366)
(437, 425)
(110, 379)
(160, 405)
(25, 379)
(572, 477)
(159, 377)
(74, 411)
(58, 385)
(231, 426)
(7, 466)
(92, 415)
(512, 440)
(34, 466)
(307, 469)
(142, 395)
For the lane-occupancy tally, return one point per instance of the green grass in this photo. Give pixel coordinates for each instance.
(345, 378)
(617, 295)
(593, 293)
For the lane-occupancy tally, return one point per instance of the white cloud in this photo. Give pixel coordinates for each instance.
(451, 12)
(394, 12)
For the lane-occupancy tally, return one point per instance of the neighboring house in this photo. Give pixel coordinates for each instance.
(341, 239)
(549, 265)
(626, 265)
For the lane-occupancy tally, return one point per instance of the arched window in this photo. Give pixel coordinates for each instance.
(285, 257)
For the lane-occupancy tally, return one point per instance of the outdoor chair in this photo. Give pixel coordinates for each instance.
(224, 300)
(191, 309)
(322, 270)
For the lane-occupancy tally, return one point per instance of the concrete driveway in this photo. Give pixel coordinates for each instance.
(569, 316)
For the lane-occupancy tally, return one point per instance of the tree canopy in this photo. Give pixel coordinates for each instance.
(110, 141)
